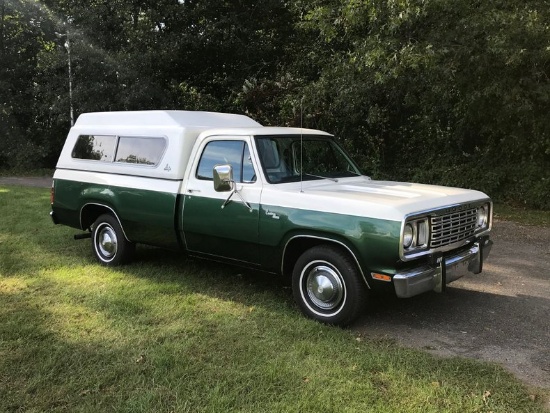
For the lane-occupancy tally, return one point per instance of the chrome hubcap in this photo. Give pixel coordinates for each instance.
(107, 242)
(324, 287)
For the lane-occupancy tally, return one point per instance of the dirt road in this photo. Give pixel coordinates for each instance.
(501, 315)
(43, 181)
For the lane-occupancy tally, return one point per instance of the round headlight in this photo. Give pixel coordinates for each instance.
(482, 216)
(408, 236)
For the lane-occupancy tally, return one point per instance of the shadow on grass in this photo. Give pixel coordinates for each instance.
(510, 330)
(42, 369)
(225, 282)
(54, 360)
(31, 245)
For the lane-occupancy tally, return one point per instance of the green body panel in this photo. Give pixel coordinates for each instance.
(146, 216)
(374, 242)
(67, 204)
(258, 237)
(231, 232)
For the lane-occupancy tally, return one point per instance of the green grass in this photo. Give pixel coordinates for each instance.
(523, 216)
(171, 334)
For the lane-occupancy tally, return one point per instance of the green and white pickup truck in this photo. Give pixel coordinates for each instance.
(286, 201)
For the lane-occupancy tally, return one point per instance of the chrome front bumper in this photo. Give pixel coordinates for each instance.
(444, 271)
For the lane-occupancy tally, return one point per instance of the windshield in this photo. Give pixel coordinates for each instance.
(290, 158)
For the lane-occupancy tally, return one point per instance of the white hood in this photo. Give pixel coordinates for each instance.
(361, 196)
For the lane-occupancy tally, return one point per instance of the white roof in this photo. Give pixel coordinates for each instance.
(167, 118)
(265, 130)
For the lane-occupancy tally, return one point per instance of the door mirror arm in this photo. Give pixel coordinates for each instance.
(235, 191)
(223, 182)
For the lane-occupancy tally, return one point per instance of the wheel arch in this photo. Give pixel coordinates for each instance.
(296, 245)
(93, 210)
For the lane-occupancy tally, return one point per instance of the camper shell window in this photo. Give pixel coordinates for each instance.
(143, 151)
(95, 147)
(121, 149)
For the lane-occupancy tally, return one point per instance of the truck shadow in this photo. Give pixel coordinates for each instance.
(464, 321)
(479, 316)
(509, 329)
(220, 280)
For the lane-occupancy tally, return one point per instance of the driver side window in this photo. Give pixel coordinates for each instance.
(234, 153)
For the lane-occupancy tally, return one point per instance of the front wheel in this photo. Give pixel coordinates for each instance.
(109, 244)
(328, 287)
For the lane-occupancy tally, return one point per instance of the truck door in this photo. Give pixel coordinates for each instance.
(230, 232)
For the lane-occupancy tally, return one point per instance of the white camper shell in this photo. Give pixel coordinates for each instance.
(176, 132)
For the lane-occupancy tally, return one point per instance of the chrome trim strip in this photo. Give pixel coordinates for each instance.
(108, 207)
(324, 239)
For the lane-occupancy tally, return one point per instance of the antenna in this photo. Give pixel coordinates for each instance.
(301, 144)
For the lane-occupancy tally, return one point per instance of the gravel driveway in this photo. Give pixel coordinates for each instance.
(43, 181)
(501, 315)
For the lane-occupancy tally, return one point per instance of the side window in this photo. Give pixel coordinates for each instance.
(95, 147)
(249, 174)
(234, 153)
(142, 151)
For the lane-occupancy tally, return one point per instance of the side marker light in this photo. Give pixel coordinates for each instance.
(381, 277)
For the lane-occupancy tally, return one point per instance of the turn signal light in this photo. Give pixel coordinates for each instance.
(381, 277)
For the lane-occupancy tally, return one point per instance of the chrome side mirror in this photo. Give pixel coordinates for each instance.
(223, 178)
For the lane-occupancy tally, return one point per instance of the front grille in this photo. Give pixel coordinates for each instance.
(450, 228)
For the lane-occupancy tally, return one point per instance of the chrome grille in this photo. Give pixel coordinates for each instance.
(450, 228)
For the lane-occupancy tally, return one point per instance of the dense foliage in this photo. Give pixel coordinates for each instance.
(433, 91)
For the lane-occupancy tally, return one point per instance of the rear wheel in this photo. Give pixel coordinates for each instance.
(328, 287)
(109, 244)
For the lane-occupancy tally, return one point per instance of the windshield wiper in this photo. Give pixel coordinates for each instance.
(322, 177)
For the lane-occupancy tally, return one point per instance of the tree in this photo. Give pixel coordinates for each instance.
(439, 92)
(24, 29)
(442, 92)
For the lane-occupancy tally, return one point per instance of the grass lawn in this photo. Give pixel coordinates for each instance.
(522, 216)
(172, 334)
